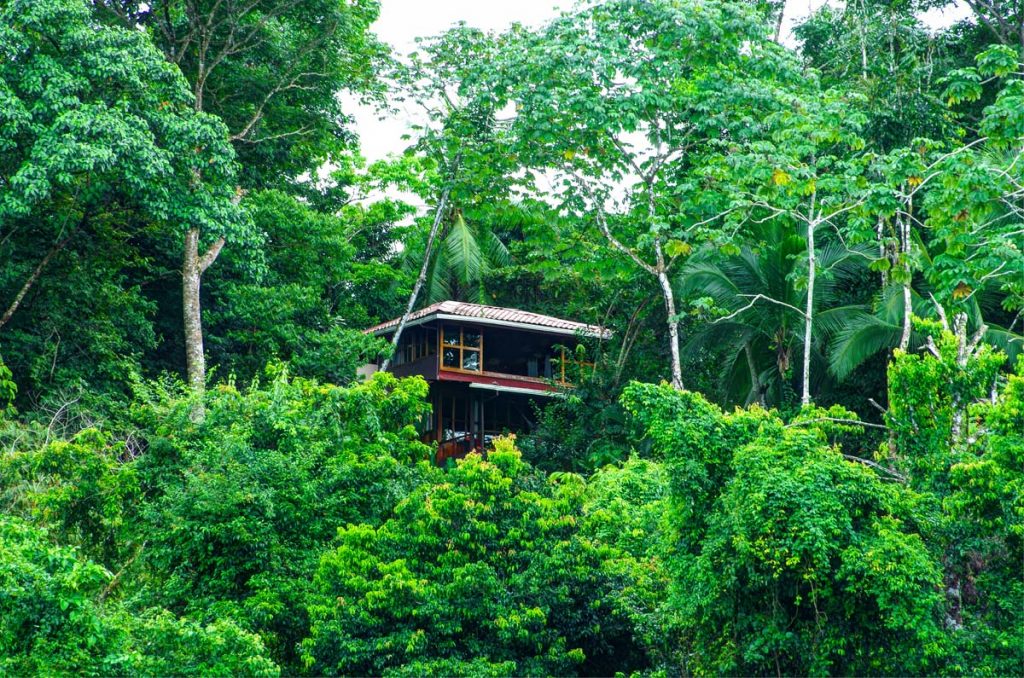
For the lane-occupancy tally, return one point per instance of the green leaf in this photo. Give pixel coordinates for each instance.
(678, 248)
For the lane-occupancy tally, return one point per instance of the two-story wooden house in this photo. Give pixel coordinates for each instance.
(485, 365)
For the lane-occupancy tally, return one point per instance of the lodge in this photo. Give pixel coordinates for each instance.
(487, 366)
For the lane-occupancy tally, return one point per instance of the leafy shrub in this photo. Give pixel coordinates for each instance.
(480, 571)
(242, 504)
(787, 557)
(80, 488)
(55, 620)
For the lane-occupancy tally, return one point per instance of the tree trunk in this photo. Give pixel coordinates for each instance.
(963, 354)
(659, 271)
(192, 271)
(673, 328)
(907, 313)
(755, 382)
(420, 280)
(32, 279)
(805, 397)
(882, 254)
(863, 43)
(778, 23)
(908, 310)
(190, 280)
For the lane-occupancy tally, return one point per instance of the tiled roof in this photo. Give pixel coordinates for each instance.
(496, 314)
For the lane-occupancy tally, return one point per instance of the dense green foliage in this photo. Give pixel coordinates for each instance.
(763, 512)
(482, 570)
(821, 239)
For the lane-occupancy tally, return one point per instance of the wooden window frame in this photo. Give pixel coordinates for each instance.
(414, 346)
(562, 360)
(461, 347)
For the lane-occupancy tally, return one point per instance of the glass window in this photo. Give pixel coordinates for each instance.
(463, 348)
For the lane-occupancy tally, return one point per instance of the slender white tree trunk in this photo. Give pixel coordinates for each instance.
(882, 254)
(862, 30)
(963, 353)
(907, 314)
(420, 280)
(195, 361)
(673, 328)
(812, 261)
(908, 309)
(659, 270)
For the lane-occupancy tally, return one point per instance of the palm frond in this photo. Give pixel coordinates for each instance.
(438, 288)
(830, 322)
(465, 259)
(494, 249)
(864, 335)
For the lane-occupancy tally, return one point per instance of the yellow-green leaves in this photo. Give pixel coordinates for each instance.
(677, 248)
(963, 85)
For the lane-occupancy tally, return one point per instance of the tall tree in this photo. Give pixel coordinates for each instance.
(757, 295)
(95, 125)
(617, 104)
(272, 71)
(882, 51)
(805, 171)
(460, 137)
(1003, 19)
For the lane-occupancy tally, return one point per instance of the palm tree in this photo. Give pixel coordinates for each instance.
(758, 296)
(466, 253)
(860, 334)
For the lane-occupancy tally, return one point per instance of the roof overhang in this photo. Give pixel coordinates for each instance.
(412, 323)
(529, 327)
(471, 320)
(516, 389)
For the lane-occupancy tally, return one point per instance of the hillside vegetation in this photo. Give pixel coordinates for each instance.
(800, 450)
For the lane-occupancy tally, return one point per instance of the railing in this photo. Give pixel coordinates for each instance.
(455, 448)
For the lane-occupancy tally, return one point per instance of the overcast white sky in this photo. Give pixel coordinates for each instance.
(402, 21)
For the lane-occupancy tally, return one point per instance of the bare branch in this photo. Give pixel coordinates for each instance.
(942, 313)
(875, 404)
(837, 420)
(875, 465)
(305, 129)
(753, 300)
(602, 224)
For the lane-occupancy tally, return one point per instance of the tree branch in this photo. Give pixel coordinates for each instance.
(32, 279)
(875, 465)
(606, 231)
(211, 255)
(754, 299)
(837, 420)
